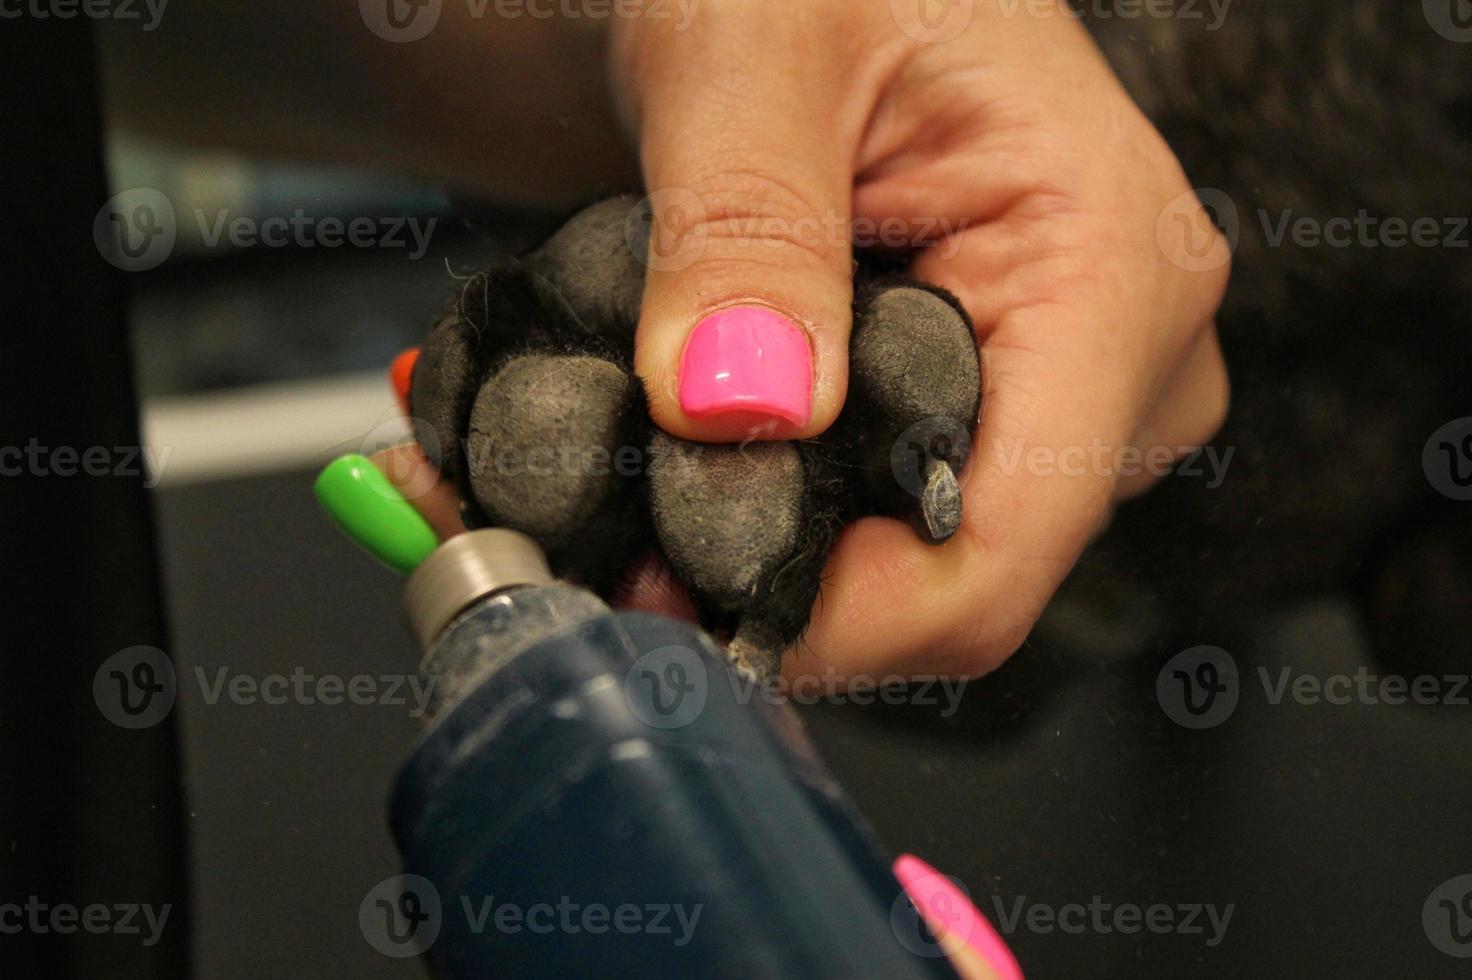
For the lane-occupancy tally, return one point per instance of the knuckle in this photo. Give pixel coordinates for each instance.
(752, 212)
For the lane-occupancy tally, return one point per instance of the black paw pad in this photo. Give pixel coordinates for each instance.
(526, 384)
(543, 452)
(914, 396)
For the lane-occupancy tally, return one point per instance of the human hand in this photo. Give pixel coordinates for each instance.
(1046, 202)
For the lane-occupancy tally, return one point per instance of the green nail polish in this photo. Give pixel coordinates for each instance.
(374, 513)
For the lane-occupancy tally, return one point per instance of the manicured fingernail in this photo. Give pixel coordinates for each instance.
(401, 376)
(952, 917)
(374, 513)
(747, 360)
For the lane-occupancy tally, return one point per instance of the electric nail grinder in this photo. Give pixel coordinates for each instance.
(600, 793)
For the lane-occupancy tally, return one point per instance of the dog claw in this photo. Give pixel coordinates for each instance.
(940, 503)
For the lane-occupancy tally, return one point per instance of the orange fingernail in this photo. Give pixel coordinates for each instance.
(401, 375)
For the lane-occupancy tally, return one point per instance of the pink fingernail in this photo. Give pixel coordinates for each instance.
(947, 910)
(748, 360)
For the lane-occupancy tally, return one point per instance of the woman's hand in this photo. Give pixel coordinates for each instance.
(996, 138)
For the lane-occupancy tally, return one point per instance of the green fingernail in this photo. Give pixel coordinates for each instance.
(374, 513)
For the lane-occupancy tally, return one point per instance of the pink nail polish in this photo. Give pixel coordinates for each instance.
(748, 360)
(946, 908)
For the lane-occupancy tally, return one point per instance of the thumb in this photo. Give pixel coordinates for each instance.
(748, 156)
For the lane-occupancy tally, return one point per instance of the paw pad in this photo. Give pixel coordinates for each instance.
(526, 383)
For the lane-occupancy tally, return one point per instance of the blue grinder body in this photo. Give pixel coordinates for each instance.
(601, 794)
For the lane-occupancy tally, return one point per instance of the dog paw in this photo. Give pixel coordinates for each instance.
(526, 386)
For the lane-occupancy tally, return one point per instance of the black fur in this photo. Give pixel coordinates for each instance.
(1344, 360)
